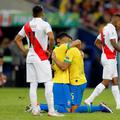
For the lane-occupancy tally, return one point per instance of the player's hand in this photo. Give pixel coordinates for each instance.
(82, 53)
(48, 53)
(26, 52)
(79, 45)
(53, 56)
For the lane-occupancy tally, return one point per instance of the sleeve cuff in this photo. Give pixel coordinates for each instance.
(66, 60)
(68, 45)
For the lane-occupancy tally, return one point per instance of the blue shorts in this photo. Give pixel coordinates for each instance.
(62, 95)
(77, 93)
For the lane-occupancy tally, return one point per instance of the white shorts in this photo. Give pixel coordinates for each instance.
(39, 72)
(109, 68)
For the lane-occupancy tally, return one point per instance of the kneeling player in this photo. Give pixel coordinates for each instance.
(74, 61)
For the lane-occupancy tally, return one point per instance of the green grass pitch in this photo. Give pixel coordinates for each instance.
(13, 101)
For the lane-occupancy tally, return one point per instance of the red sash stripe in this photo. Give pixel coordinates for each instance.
(34, 41)
(107, 51)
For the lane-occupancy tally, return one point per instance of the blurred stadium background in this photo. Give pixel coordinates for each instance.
(81, 19)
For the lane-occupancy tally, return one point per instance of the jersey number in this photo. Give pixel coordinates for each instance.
(31, 36)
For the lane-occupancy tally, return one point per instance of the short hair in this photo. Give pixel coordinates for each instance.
(116, 15)
(62, 35)
(36, 10)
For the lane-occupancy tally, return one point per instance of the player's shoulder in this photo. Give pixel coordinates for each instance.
(45, 23)
(73, 49)
(63, 45)
(55, 48)
(110, 26)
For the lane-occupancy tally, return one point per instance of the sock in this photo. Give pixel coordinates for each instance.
(96, 92)
(88, 109)
(49, 95)
(116, 94)
(44, 107)
(33, 95)
(61, 109)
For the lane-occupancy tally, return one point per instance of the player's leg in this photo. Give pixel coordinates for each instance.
(116, 92)
(58, 108)
(62, 97)
(77, 94)
(31, 77)
(44, 107)
(115, 88)
(60, 92)
(44, 75)
(87, 109)
(50, 100)
(33, 97)
(49, 95)
(100, 87)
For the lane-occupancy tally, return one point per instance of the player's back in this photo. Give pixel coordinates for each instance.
(77, 75)
(39, 27)
(36, 33)
(60, 76)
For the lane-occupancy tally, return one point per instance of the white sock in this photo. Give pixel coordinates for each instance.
(99, 88)
(49, 96)
(33, 95)
(116, 94)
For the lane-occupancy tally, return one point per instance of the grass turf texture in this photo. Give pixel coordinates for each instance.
(14, 100)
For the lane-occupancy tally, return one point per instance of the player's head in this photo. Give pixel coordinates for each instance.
(38, 11)
(116, 20)
(63, 38)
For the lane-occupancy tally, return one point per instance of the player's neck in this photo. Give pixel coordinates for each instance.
(113, 23)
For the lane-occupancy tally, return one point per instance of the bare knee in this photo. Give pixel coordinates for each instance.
(115, 81)
(105, 83)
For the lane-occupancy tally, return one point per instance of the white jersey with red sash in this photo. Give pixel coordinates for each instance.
(38, 66)
(36, 33)
(108, 33)
(108, 57)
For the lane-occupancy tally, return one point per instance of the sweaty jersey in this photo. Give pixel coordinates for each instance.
(59, 75)
(76, 69)
(109, 32)
(36, 33)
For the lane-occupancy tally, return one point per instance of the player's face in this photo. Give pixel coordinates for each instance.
(58, 41)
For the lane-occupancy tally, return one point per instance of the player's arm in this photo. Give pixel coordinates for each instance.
(50, 34)
(112, 36)
(18, 40)
(82, 54)
(51, 41)
(61, 65)
(98, 43)
(76, 43)
(115, 45)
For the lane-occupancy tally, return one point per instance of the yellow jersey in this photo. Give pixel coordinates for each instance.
(76, 69)
(59, 75)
